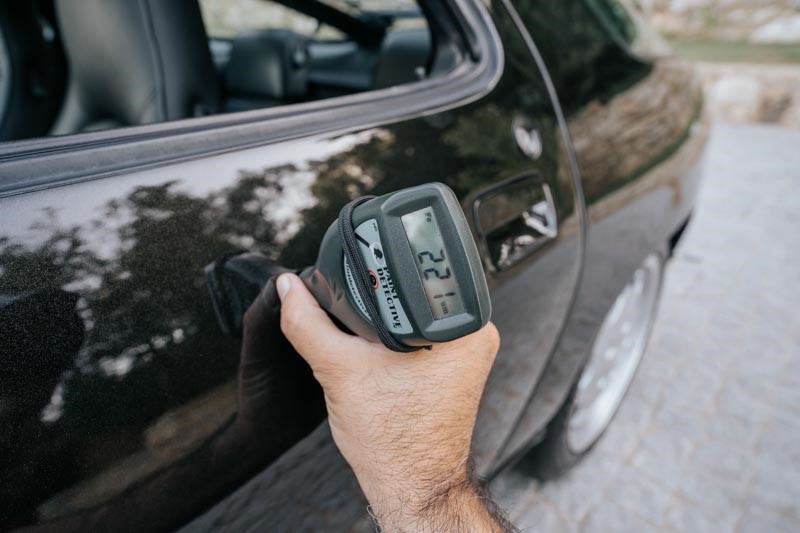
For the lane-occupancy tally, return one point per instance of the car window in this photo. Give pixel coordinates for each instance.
(66, 72)
(359, 7)
(225, 18)
(397, 13)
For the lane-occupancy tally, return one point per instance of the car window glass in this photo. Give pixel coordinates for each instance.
(356, 7)
(187, 59)
(226, 18)
(395, 13)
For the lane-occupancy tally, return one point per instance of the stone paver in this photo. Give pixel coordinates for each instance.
(708, 438)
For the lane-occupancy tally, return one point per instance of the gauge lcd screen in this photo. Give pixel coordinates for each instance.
(433, 263)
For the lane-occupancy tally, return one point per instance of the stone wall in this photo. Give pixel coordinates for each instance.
(757, 21)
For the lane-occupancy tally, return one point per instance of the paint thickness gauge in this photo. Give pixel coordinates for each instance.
(402, 269)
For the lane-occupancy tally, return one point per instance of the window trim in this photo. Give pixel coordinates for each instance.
(36, 164)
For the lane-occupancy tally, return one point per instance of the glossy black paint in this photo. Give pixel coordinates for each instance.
(638, 129)
(147, 386)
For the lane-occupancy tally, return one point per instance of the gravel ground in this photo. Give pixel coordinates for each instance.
(708, 438)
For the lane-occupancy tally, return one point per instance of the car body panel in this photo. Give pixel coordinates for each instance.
(639, 130)
(154, 383)
(127, 220)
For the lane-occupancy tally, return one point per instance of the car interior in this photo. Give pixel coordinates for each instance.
(72, 66)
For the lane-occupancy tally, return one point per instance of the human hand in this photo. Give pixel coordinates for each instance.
(271, 374)
(403, 422)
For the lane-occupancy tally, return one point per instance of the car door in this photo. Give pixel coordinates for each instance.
(123, 396)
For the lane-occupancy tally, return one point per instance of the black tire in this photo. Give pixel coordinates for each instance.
(553, 456)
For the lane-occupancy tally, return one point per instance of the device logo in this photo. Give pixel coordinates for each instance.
(373, 279)
(377, 254)
(389, 305)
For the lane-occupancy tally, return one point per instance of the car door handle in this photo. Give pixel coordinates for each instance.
(515, 219)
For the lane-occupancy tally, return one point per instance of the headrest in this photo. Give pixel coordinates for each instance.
(268, 64)
(136, 62)
(402, 53)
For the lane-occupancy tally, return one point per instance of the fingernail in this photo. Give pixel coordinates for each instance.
(283, 284)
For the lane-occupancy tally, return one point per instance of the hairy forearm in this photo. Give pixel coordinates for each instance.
(461, 503)
(404, 423)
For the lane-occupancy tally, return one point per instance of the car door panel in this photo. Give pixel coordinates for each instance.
(310, 488)
(151, 391)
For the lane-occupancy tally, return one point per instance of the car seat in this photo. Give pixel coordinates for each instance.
(32, 70)
(134, 62)
(266, 68)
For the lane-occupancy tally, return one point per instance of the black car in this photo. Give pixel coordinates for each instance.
(146, 140)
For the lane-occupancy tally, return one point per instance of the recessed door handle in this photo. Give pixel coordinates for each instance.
(515, 219)
(541, 217)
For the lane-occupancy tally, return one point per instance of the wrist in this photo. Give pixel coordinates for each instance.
(455, 503)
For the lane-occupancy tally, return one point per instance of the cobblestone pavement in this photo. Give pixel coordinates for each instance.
(708, 438)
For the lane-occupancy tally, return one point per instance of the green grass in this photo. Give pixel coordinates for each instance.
(736, 51)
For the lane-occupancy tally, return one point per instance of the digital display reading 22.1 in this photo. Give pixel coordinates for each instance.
(441, 286)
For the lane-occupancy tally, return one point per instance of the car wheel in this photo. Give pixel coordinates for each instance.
(601, 386)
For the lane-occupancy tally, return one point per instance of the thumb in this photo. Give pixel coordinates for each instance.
(307, 326)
